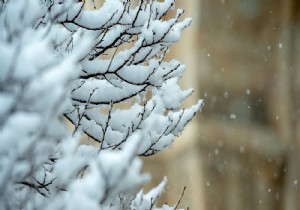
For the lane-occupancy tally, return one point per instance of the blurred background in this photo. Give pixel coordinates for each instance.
(242, 152)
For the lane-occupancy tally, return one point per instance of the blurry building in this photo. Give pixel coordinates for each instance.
(243, 150)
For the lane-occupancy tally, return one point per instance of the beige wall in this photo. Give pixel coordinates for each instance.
(242, 151)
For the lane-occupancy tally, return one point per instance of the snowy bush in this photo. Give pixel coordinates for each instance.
(104, 71)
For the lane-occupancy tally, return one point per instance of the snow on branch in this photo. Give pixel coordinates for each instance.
(102, 69)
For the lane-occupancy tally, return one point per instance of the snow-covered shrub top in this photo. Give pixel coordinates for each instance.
(104, 71)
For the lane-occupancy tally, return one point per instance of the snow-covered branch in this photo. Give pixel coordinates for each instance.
(104, 70)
